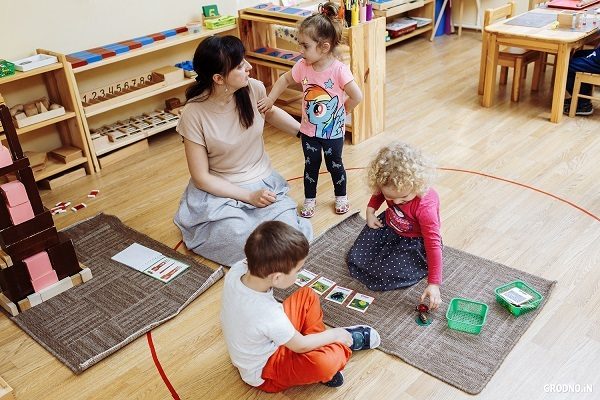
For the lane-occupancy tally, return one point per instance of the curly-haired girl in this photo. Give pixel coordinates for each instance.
(402, 245)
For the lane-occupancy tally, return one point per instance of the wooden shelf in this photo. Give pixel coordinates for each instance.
(159, 45)
(22, 75)
(54, 167)
(392, 11)
(33, 127)
(143, 96)
(416, 32)
(276, 60)
(266, 63)
(137, 137)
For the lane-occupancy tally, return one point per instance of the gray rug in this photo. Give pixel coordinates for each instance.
(91, 321)
(465, 361)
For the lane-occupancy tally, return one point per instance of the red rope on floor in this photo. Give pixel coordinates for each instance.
(159, 367)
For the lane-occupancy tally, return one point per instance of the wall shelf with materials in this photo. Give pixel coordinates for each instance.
(364, 53)
(47, 128)
(391, 10)
(119, 86)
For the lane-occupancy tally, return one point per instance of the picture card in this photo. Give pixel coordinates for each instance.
(322, 285)
(150, 262)
(516, 296)
(339, 294)
(360, 302)
(303, 277)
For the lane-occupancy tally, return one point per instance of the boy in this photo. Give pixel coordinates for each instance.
(277, 346)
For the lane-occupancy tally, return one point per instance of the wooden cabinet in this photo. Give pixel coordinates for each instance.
(53, 81)
(393, 9)
(364, 52)
(131, 66)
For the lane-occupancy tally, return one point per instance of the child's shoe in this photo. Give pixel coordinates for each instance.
(363, 337)
(308, 208)
(336, 381)
(342, 205)
(583, 108)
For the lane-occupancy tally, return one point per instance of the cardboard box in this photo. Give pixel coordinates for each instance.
(170, 74)
(66, 154)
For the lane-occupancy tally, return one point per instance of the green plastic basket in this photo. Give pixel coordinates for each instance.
(6, 68)
(523, 308)
(466, 315)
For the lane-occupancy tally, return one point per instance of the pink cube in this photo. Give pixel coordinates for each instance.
(21, 213)
(44, 281)
(5, 158)
(38, 265)
(14, 192)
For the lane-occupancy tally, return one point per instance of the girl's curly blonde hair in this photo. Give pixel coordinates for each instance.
(401, 166)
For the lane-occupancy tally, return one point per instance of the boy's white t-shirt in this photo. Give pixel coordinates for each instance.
(253, 323)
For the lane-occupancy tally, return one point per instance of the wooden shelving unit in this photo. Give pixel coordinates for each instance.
(418, 8)
(104, 71)
(365, 56)
(54, 81)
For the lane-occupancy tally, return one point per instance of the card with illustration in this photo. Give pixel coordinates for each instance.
(322, 285)
(303, 277)
(339, 294)
(360, 302)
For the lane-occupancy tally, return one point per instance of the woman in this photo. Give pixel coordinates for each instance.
(233, 187)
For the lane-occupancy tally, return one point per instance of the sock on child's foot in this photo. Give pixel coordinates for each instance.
(308, 209)
(336, 381)
(342, 204)
(363, 337)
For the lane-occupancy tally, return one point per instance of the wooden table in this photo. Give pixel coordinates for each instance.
(555, 41)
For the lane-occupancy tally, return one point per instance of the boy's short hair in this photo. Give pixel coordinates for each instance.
(274, 246)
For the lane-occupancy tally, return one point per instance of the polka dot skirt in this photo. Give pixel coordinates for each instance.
(384, 260)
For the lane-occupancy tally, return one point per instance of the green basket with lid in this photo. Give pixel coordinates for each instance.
(466, 315)
(523, 308)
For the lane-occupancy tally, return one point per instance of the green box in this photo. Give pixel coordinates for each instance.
(219, 22)
(523, 308)
(6, 68)
(466, 315)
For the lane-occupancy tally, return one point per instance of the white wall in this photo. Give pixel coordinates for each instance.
(67, 26)
(470, 11)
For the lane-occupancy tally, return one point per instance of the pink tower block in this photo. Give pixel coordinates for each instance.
(44, 281)
(14, 192)
(38, 265)
(5, 158)
(21, 213)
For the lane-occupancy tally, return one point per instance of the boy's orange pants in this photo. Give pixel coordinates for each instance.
(286, 368)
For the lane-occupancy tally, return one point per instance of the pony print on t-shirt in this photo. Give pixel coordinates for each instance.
(325, 112)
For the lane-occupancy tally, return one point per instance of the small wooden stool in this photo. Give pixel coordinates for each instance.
(582, 77)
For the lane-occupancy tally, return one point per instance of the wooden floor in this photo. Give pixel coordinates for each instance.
(431, 93)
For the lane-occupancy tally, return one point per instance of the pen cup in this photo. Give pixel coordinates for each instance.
(354, 15)
(348, 17)
(369, 15)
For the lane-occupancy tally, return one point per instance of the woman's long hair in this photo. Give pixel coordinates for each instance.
(220, 55)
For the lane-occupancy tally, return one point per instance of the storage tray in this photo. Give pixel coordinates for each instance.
(466, 315)
(523, 308)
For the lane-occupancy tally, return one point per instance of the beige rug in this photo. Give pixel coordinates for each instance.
(465, 361)
(91, 321)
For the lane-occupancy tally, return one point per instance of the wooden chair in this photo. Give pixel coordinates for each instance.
(508, 57)
(583, 77)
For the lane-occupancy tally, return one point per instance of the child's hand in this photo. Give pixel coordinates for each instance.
(265, 104)
(342, 336)
(435, 298)
(373, 222)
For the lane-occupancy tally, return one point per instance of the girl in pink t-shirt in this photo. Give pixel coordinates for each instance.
(329, 93)
(402, 245)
